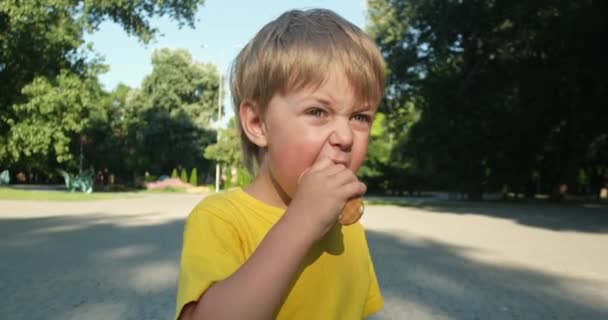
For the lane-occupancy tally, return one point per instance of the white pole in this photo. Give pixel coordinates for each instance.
(219, 115)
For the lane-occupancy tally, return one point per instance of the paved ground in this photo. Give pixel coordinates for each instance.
(118, 259)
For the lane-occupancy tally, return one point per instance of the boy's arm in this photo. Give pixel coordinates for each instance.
(257, 288)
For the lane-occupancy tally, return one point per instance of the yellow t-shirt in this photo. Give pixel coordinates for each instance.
(336, 280)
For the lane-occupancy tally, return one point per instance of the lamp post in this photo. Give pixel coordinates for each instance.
(219, 111)
(219, 116)
(81, 156)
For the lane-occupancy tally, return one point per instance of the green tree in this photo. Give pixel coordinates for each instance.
(502, 98)
(42, 49)
(174, 173)
(184, 176)
(105, 143)
(54, 113)
(379, 148)
(194, 177)
(169, 116)
(181, 86)
(227, 151)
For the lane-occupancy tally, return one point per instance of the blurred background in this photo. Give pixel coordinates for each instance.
(115, 121)
(494, 99)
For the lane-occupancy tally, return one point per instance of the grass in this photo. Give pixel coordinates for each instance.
(39, 195)
(166, 190)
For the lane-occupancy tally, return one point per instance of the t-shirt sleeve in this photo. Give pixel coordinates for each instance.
(374, 300)
(210, 253)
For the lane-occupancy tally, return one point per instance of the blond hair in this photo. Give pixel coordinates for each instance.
(296, 51)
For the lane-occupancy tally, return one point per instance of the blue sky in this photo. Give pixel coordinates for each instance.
(222, 28)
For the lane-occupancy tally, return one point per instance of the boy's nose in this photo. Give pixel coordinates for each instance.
(342, 136)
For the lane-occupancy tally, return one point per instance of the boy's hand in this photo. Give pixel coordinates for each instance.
(322, 191)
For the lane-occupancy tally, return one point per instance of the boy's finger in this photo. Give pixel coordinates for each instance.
(343, 176)
(335, 169)
(354, 189)
(320, 164)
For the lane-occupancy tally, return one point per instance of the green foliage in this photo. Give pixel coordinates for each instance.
(174, 173)
(497, 95)
(49, 93)
(172, 112)
(142, 130)
(227, 151)
(243, 177)
(180, 86)
(106, 141)
(194, 177)
(52, 114)
(150, 178)
(236, 177)
(184, 176)
(378, 151)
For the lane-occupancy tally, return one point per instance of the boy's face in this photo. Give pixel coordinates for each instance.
(305, 125)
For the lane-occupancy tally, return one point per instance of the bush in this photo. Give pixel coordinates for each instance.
(194, 177)
(243, 178)
(184, 176)
(174, 173)
(149, 178)
(173, 184)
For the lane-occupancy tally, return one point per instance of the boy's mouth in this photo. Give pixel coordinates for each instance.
(342, 162)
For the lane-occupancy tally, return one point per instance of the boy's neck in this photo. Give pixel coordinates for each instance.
(266, 189)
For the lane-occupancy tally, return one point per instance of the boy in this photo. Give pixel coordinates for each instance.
(305, 90)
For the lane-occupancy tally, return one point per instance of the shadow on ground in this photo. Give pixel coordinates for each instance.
(591, 217)
(96, 267)
(432, 280)
(92, 267)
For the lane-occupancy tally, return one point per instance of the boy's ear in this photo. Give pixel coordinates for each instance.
(252, 123)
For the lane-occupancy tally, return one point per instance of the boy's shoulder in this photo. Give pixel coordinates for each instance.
(236, 207)
(221, 204)
(219, 200)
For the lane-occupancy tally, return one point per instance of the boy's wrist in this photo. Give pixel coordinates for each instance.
(299, 227)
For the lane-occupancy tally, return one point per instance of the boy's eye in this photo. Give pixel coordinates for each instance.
(316, 112)
(362, 118)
